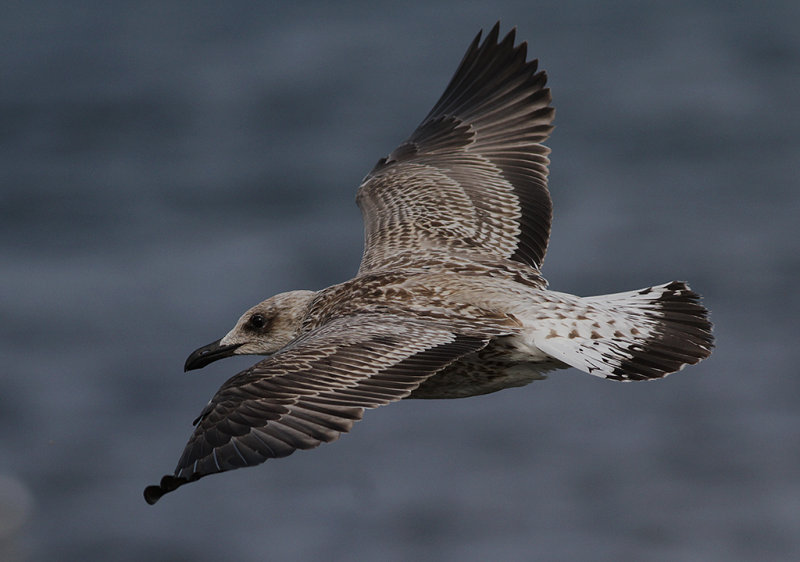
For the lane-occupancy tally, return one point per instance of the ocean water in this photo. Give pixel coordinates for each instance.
(164, 166)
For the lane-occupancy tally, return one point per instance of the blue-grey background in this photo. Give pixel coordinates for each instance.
(165, 165)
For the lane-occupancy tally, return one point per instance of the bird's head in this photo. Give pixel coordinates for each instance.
(264, 329)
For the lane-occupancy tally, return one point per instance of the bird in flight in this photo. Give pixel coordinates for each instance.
(448, 301)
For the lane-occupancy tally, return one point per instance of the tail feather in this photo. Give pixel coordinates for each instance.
(636, 335)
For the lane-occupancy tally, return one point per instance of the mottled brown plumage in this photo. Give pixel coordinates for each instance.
(449, 301)
(473, 176)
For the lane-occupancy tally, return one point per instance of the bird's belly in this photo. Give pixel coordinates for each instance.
(505, 363)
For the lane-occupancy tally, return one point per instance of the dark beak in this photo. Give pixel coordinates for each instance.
(208, 354)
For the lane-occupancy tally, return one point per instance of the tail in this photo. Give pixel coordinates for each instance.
(637, 335)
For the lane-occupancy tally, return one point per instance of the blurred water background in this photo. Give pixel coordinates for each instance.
(165, 165)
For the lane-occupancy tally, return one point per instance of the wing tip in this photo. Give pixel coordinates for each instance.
(494, 34)
(169, 483)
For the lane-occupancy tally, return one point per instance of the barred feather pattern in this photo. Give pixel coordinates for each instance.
(449, 300)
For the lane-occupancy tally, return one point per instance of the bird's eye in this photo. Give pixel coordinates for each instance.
(257, 321)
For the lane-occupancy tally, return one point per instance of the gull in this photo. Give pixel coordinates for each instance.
(448, 301)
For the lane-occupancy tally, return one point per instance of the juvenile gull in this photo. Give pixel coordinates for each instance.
(448, 301)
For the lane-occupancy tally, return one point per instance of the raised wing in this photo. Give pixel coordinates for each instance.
(312, 391)
(473, 177)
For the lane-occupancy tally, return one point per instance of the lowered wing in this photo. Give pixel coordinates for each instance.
(314, 390)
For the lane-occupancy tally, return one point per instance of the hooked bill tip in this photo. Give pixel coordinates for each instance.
(202, 356)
